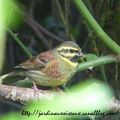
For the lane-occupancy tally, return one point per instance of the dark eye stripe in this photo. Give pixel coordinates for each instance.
(64, 50)
(69, 50)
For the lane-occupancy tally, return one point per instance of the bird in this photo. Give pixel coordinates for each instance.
(51, 68)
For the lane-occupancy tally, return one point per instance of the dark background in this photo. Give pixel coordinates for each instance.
(46, 14)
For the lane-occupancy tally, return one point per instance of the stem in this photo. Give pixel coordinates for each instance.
(97, 62)
(95, 26)
(20, 43)
(67, 8)
(102, 68)
(63, 17)
(61, 13)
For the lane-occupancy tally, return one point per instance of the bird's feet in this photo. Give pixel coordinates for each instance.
(34, 86)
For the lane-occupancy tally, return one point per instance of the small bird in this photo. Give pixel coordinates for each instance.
(51, 68)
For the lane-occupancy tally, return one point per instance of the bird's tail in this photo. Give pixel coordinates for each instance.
(11, 74)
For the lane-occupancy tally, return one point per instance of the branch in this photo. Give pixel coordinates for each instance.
(38, 29)
(22, 95)
(114, 105)
(20, 43)
(98, 61)
(31, 24)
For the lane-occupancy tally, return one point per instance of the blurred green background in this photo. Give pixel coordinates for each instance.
(28, 27)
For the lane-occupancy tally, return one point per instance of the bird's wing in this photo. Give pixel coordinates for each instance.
(38, 62)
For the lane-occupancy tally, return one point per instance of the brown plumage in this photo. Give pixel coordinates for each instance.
(54, 67)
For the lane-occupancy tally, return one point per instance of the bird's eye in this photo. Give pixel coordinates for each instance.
(71, 51)
(67, 50)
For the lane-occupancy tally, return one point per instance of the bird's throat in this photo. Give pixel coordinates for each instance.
(72, 63)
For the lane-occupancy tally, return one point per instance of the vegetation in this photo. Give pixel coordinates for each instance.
(30, 27)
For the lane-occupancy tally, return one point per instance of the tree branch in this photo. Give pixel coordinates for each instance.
(21, 94)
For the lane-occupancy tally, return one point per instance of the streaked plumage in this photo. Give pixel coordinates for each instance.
(54, 67)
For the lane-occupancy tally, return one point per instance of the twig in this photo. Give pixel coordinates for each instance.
(61, 12)
(67, 11)
(32, 25)
(20, 43)
(38, 28)
(63, 17)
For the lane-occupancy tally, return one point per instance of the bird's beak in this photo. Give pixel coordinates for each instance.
(80, 54)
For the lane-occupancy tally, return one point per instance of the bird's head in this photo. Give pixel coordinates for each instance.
(70, 52)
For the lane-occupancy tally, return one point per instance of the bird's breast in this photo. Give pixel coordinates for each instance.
(53, 69)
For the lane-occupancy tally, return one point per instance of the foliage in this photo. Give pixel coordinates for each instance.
(50, 22)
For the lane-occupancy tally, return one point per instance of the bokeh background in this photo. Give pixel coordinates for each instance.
(43, 24)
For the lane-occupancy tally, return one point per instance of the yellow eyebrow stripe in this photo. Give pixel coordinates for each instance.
(67, 47)
(68, 54)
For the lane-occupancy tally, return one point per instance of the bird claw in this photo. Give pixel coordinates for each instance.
(34, 87)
